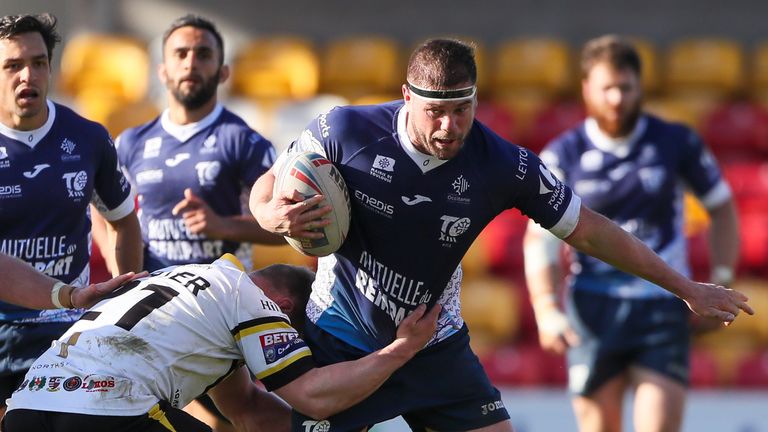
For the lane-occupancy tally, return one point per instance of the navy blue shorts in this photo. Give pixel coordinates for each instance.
(20, 346)
(444, 388)
(617, 333)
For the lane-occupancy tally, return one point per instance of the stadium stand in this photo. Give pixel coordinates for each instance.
(356, 66)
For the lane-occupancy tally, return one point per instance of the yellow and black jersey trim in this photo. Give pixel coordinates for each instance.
(258, 325)
(287, 370)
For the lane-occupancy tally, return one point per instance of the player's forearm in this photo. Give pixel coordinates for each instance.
(24, 286)
(541, 250)
(724, 242)
(127, 245)
(597, 236)
(261, 195)
(325, 391)
(248, 407)
(245, 228)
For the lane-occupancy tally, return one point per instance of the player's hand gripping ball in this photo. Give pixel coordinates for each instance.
(311, 174)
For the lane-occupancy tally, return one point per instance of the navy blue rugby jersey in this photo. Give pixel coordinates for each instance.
(219, 158)
(414, 217)
(638, 183)
(48, 177)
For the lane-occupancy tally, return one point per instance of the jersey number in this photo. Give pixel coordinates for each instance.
(160, 296)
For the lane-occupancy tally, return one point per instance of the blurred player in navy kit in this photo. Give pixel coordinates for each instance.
(426, 178)
(193, 166)
(623, 332)
(53, 163)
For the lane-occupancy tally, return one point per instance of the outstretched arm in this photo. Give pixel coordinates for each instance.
(325, 391)
(597, 236)
(24, 286)
(248, 407)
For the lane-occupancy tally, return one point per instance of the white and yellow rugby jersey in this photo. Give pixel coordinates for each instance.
(169, 337)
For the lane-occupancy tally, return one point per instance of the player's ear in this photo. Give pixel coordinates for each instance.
(162, 74)
(224, 72)
(286, 305)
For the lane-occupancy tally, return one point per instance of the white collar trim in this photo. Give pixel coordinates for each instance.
(187, 131)
(425, 162)
(617, 146)
(32, 137)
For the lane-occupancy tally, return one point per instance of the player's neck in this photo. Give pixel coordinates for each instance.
(180, 115)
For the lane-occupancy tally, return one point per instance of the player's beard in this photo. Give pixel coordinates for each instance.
(197, 97)
(619, 127)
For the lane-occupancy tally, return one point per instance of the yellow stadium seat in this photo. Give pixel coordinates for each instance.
(711, 66)
(277, 67)
(683, 109)
(759, 73)
(695, 216)
(542, 64)
(130, 115)
(377, 98)
(650, 64)
(115, 64)
(356, 66)
(490, 306)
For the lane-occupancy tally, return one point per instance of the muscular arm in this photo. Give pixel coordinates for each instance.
(603, 239)
(125, 244)
(248, 407)
(24, 286)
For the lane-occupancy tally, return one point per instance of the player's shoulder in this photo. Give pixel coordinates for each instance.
(133, 135)
(358, 118)
(671, 133)
(230, 124)
(71, 120)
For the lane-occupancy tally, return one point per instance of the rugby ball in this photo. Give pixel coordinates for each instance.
(311, 174)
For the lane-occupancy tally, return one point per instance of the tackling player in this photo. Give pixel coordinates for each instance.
(132, 361)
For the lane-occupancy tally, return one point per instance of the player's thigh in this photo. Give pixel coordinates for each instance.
(601, 409)
(659, 401)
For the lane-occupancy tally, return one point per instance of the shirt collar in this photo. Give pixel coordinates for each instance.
(187, 131)
(425, 162)
(32, 137)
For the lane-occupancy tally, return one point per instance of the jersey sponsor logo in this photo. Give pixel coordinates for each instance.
(591, 160)
(179, 158)
(491, 407)
(72, 383)
(382, 166)
(98, 383)
(68, 146)
(378, 206)
(37, 170)
(10, 191)
(207, 172)
(460, 185)
(417, 199)
(277, 346)
(621, 171)
(522, 163)
(452, 227)
(37, 383)
(149, 176)
(209, 145)
(49, 255)
(316, 426)
(75, 183)
(152, 147)
(652, 178)
(551, 182)
(22, 386)
(4, 162)
(325, 128)
(307, 142)
(392, 292)
(54, 383)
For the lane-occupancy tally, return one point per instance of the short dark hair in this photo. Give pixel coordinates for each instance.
(295, 282)
(612, 49)
(45, 24)
(442, 63)
(196, 21)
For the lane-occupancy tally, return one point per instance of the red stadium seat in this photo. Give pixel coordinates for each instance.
(748, 179)
(518, 365)
(499, 119)
(754, 242)
(752, 371)
(99, 272)
(552, 121)
(504, 242)
(737, 130)
(703, 372)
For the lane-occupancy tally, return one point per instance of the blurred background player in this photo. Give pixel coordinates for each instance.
(193, 166)
(623, 332)
(53, 163)
(425, 178)
(129, 371)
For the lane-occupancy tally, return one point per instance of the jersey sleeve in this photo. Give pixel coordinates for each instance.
(253, 154)
(272, 349)
(113, 196)
(544, 197)
(701, 172)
